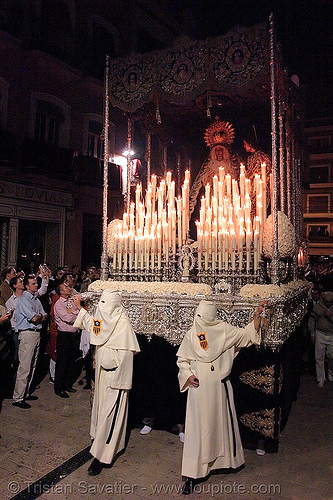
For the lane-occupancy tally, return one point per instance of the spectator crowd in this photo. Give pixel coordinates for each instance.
(37, 336)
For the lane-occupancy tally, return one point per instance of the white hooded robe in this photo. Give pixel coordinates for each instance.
(212, 439)
(112, 333)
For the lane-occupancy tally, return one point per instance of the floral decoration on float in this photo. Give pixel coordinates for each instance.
(154, 287)
(286, 237)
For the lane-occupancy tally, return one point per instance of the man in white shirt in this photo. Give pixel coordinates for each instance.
(29, 318)
(16, 284)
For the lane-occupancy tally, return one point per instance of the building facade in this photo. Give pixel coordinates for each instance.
(318, 189)
(52, 63)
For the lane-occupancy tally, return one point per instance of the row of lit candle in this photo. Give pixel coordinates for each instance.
(157, 223)
(225, 228)
(154, 226)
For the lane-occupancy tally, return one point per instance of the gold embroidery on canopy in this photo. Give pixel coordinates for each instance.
(262, 379)
(261, 421)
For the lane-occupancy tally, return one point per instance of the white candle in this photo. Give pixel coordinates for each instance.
(226, 251)
(233, 250)
(230, 213)
(220, 189)
(153, 250)
(146, 248)
(220, 216)
(141, 216)
(159, 210)
(168, 178)
(162, 188)
(263, 172)
(114, 256)
(240, 250)
(171, 194)
(126, 250)
(300, 257)
(247, 207)
(242, 185)
(241, 226)
(221, 174)
(184, 225)
(148, 213)
(214, 250)
(215, 186)
(214, 205)
(141, 250)
(248, 249)
(120, 249)
(200, 236)
(207, 237)
(202, 216)
(173, 231)
(136, 252)
(137, 196)
(247, 187)
(185, 212)
(255, 250)
(164, 218)
(220, 249)
(228, 182)
(203, 205)
(264, 201)
(166, 242)
(132, 227)
(131, 248)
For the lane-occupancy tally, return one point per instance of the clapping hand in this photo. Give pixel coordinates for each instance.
(77, 300)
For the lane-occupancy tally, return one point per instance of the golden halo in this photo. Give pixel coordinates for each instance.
(219, 132)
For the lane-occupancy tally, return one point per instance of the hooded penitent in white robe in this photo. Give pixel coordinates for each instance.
(112, 333)
(212, 439)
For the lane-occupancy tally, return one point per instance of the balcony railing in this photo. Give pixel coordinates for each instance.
(47, 159)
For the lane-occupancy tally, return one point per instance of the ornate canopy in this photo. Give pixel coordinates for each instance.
(235, 64)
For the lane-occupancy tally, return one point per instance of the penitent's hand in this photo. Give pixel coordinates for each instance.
(193, 381)
(261, 306)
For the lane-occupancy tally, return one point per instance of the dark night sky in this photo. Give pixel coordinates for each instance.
(304, 29)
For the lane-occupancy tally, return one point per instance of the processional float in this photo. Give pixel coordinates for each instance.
(247, 242)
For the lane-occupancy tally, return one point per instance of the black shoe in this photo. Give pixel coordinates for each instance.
(62, 394)
(31, 398)
(70, 389)
(95, 467)
(189, 486)
(22, 404)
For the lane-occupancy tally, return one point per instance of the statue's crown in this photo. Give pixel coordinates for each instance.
(219, 132)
